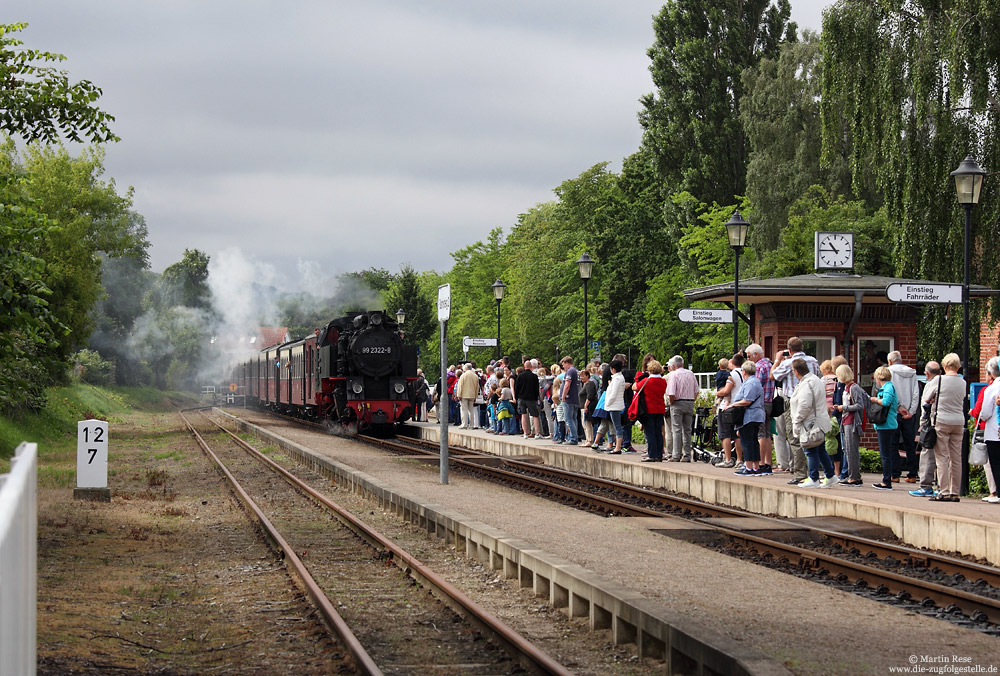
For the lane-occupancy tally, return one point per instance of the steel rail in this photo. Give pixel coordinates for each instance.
(804, 558)
(331, 618)
(536, 659)
(948, 564)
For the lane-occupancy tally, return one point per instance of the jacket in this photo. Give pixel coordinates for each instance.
(904, 379)
(809, 403)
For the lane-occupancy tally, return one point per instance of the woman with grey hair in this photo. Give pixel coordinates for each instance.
(947, 394)
(851, 422)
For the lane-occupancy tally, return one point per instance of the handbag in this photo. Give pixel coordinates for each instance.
(877, 413)
(637, 409)
(811, 435)
(777, 405)
(599, 412)
(733, 415)
(977, 450)
(928, 435)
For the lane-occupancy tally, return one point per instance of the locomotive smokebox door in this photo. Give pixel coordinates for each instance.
(375, 351)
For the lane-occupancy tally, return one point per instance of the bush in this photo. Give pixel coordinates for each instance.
(91, 368)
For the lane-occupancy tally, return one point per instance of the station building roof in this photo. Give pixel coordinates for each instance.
(825, 287)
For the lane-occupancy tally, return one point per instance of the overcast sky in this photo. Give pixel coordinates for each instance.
(352, 134)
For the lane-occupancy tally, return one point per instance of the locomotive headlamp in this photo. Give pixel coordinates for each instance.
(376, 319)
(400, 388)
(357, 387)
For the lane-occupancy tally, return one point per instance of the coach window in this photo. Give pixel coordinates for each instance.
(872, 352)
(821, 347)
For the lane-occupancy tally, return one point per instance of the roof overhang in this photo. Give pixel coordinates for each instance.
(816, 287)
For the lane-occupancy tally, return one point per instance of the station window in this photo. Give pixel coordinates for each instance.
(872, 352)
(821, 347)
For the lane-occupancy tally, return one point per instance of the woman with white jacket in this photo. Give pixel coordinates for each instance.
(614, 403)
(808, 410)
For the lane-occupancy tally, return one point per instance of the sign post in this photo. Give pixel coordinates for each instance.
(92, 461)
(915, 292)
(699, 315)
(444, 403)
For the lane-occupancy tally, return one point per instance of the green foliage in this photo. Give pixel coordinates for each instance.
(781, 117)
(90, 368)
(914, 85)
(38, 102)
(818, 210)
(405, 292)
(28, 329)
(692, 120)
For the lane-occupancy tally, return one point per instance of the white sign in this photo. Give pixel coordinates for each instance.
(479, 342)
(702, 315)
(92, 454)
(924, 293)
(444, 302)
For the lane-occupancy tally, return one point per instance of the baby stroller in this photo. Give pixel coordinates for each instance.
(704, 441)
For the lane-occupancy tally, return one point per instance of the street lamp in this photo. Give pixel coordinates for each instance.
(586, 265)
(400, 316)
(499, 288)
(968, 184)
(737, 228)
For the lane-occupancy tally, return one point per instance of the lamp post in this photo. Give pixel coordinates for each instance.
(737, 228)
(968, 184)
(586, 266)
(400, 316)
(499, 288)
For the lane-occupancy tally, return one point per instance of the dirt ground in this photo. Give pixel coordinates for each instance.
(167, 578)
(170, 577)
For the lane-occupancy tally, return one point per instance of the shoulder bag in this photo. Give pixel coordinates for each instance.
(928, 435)
(877, 413)
(637, 408)
(978, 454)
(777, 405)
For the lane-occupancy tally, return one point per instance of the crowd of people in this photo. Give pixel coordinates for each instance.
(788, 414)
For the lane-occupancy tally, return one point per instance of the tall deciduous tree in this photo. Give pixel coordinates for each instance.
(406, 293)
(780, 113)
(692, 120)
(37, 100)
(915, 85)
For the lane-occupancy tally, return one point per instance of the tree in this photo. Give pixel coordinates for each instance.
(94, 221)
(38, 102)
(691, 123)
(28, 329)
(915, 87)
(405, 293)
(780, 113)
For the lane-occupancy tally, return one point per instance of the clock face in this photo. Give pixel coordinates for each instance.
(834, 250)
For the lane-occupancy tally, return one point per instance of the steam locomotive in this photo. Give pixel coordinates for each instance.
(357, 371)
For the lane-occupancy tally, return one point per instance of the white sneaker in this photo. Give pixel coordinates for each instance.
(992, 499)
(809, 483)
(830, 483)
(539, 436)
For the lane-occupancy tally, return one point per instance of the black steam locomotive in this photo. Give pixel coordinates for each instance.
(356, 371)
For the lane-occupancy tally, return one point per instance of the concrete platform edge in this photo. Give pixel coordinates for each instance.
(657, 631)
(916, 527)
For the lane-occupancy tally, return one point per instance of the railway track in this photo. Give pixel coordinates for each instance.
(358, 578)
(883, 570)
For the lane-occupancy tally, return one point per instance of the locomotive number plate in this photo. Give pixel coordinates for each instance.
(376, 350)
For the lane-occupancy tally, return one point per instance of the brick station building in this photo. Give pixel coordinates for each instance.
(833, 313)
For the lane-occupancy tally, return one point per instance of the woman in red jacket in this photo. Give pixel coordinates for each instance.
(653, 389)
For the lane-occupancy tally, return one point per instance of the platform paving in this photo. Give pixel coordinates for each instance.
(969, 527)
(797, 625)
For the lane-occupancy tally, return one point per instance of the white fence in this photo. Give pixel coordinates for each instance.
(18, 560)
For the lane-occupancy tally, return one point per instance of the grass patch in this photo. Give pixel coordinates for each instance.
(54, 427)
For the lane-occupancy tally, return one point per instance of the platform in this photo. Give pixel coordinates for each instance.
(970, 527)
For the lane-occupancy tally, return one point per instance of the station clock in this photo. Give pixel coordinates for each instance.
(834, 250)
